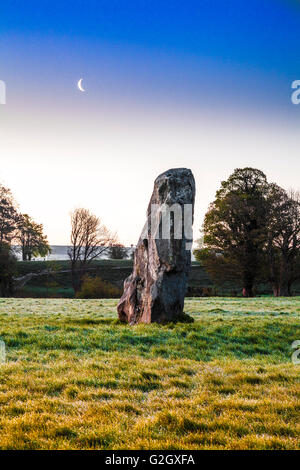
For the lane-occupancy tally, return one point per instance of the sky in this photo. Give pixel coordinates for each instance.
(200, 84)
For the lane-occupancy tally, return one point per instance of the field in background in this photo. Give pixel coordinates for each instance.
(75, 378)
(115, 272)
(59, 283)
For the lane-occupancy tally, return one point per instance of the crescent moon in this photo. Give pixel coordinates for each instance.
(79, 84)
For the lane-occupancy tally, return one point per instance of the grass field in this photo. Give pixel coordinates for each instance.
(74, 378)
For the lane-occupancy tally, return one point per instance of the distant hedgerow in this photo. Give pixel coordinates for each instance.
(97, 288)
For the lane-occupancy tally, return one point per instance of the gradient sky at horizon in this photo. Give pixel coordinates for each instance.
(198, 84)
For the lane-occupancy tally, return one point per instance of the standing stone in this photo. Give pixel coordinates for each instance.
(155, 290)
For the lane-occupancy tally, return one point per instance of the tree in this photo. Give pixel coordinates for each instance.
(8, 224)
(235, 224)
(8, 216)
(7, 270)
(31, 238)
(283, 239)
(118, 252)
(221, 269)
(20, 228)
(89, 239)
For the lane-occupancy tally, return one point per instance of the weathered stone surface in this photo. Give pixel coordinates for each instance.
(155, 291)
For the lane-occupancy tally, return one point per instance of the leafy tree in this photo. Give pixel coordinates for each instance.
(117, 251)
(31, 238)
(8, 216)
(221, 269)
(235, 225)
(283, 239)
(8, 224)
(7, 270)
(20, 228)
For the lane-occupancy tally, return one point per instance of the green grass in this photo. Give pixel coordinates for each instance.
(75, 378)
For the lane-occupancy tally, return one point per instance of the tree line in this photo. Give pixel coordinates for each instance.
(17, 230)
(90, 239)
(251, 234)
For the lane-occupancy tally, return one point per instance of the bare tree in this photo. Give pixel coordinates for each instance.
(89, 239)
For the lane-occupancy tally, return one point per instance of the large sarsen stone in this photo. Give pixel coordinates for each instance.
(155, 291)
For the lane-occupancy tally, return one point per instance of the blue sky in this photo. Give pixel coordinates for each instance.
(204, 84)
(257, 41)
(264, 33)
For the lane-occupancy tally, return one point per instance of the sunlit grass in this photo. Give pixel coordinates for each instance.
(75, 378)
